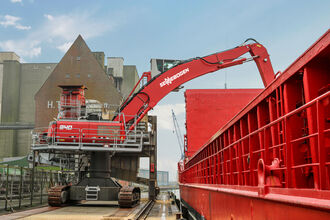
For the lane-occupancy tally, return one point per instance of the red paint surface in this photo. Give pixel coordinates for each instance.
(207, 110)
(86, 131)
(161, 85)
(246, 204)
(72, 99)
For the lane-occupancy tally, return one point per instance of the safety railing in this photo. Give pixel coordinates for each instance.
(24, 187)
(240, 157)
(88, 139)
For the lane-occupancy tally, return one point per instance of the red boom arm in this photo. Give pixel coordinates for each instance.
(162, 84)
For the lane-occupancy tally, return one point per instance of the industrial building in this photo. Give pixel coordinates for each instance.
(30, 89)
(162, 176)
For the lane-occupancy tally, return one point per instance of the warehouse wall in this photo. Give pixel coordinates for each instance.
(8, 56)
(125, 76)
(1, 78)
(19, 83)
(130, 77)
(33, 75)
(115, 66)
(10, 92)
(10, 106)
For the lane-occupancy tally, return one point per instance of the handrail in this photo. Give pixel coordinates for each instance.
(203, 161)
(280, 119)
(88, 139)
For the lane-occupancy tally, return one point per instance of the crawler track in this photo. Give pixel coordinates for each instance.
(58, 195)
(129, 197)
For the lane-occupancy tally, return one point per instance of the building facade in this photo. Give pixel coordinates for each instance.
(19, 82)
(162, 176)
(29, 91)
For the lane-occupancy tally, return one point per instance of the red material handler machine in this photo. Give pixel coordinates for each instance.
(68, 130)
(77, 131)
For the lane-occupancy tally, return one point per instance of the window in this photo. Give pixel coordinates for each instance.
(118, 82)
(110, 71)
(67, 75)
(78, 58)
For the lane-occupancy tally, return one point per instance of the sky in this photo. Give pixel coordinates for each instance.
(42, 31)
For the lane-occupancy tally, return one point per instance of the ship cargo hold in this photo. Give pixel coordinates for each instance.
(271, 158)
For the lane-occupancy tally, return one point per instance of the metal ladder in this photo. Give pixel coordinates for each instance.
(92, 192)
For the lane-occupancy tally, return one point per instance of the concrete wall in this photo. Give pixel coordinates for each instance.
(1, 78)
(5, 56)
(18, 85)
(8, 56)
(130, 77)
(116, 64)
(125, 76)
(10, 91)
(10, 106)
(33, 75)
(100, 58)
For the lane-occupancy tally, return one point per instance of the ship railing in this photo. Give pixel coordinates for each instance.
(207, 164)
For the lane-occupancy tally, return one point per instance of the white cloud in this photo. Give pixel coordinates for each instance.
(16, 1)
(64, 47)
(9, 20)
(22, 48)
(68, 26)
(164, 114)
(49, 17)
(57, 31)
(21, 27)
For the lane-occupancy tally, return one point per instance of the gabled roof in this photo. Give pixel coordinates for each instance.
(77, 67)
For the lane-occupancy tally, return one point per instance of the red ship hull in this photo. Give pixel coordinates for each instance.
(219, 202)
(272, 160)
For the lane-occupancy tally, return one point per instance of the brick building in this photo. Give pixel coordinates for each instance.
(30, 89)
